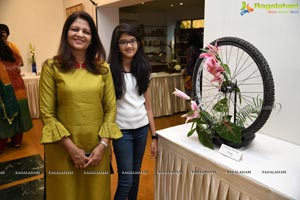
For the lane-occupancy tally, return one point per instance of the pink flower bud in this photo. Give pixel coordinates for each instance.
(181, 94)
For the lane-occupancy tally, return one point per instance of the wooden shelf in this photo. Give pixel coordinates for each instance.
(181, 44)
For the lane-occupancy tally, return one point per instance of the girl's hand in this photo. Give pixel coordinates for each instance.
(154, 148)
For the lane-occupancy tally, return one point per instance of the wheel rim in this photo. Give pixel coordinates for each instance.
(249, 72)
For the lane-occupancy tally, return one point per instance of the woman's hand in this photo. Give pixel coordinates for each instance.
(96, 156)
(79, 158)
(77, 155)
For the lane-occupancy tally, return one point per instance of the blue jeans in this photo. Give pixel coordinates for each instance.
(129, 151)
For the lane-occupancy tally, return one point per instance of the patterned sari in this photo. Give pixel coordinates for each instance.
(14, 111)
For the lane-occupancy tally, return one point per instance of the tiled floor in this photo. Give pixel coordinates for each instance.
(22, 170)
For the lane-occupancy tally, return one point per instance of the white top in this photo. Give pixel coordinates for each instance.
(131, 111)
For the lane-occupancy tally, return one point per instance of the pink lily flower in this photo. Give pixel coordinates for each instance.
(193, 114)
(217, 79)
(195, 107)
(214, 67)
(211, 65)
(181, 94)
(218, 69)
(211, 61)
(207, 55)
(214, 49)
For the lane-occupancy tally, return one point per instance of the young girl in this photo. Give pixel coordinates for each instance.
(131, 74)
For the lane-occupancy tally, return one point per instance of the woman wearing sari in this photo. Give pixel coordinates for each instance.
(14, 111)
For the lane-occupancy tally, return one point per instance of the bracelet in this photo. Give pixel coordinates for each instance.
(155, 137)
(104, 143)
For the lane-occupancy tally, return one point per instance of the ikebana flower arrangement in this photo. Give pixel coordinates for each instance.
(205, 124)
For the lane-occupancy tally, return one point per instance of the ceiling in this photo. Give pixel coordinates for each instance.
(163, 5)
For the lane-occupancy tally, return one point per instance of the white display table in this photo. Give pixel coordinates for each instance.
(269, 169)
(162, 86)
(32, 91)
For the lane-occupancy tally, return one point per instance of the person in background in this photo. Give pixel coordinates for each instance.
(5, 33)
(78, 110)
(14, 110)
(193, 52)
(131, 74)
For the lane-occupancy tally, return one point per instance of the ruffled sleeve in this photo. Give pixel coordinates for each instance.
(109, 128)
(53, 130)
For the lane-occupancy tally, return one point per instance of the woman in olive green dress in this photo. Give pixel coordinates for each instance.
(78, 109)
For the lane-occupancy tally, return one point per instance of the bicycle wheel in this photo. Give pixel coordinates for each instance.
(252, 75)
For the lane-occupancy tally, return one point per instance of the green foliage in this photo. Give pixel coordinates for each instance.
(204, 136)
(222, 106)
(227, 69)
(250, 111)
(229, 131)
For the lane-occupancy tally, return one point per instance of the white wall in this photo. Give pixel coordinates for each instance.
(277, 37)
(35, 21)
(108, 19)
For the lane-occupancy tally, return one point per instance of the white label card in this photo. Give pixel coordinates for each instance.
(230, 152)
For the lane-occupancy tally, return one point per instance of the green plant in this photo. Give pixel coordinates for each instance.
(32, 53)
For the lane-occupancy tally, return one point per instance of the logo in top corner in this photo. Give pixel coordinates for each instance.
(246, 8)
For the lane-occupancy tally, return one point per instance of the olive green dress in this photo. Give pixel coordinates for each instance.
(81, 105)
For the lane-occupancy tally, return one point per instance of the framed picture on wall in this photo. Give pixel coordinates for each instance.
(70, 10)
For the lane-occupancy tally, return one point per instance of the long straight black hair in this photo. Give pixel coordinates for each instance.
(95, 53)
(140, 66)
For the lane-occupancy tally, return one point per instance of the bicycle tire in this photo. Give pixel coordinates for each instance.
(248, 133)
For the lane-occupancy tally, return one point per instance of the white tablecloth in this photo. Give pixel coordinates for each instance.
(32, 91)
(163, 101)
(269, 169)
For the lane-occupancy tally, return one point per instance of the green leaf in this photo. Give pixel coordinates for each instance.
(204, 138)
(229, 131)
(227, 117)
(227, 69)
(222, 106)
(191, 132)
(207, 118)
(238, 91)
(198, 121)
